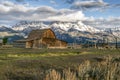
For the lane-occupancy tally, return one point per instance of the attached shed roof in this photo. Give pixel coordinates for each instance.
(21, 40)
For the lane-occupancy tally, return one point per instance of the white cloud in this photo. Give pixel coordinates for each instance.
(69, 1)
(53, 2)
(91, 4)
(7, 3)
(74, 16)
(19, 0)
(13, 12)
(7, 7)
(110, 22)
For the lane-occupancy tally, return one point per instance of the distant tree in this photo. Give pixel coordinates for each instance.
(5, 40)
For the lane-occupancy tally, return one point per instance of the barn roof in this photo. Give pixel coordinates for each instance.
(37, 34)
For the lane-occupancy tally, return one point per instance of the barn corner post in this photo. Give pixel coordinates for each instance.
(26, 45)
(29, 44)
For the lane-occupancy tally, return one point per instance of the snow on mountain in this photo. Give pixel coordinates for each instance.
(82, 27)
(63, 30)
(21, 26)
(10, 33)
(6, 29)
(114, 31)
(79, 26)
(58, 25)
(68, 31)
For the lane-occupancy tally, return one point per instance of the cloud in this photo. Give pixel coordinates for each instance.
(52, 1)
(74, 16)
(69, 1)
(15, 12)
(10, 11)
(7, 4)
(85, 5)
(116, 5)
(19, 0)
(110, 22)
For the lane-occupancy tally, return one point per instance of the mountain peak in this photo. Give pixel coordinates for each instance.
(78, 25)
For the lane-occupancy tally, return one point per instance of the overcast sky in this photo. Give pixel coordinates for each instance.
(96, 13)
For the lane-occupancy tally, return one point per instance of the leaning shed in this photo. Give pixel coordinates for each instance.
(20, 43)
(44, 38)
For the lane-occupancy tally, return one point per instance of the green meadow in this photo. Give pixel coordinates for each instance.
(59, 64)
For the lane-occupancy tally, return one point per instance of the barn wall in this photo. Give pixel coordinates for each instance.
(54, 43)
(36, 43)
(29, 44)
(60, 43)
(48, 41)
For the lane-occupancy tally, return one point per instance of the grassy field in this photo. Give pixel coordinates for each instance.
(59, 64)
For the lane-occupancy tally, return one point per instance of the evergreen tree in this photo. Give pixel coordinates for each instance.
(5, 40)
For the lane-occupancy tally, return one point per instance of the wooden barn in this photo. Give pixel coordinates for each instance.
(44, 38)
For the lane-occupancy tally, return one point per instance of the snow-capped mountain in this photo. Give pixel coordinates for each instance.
(68, 31)
(10, 33)
(114, 31)
(23, 25)
(6, 29)
(79, 26)
(66, 26)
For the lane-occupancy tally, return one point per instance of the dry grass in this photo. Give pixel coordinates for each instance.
(108, 69)
(105, 70)
(27, 64)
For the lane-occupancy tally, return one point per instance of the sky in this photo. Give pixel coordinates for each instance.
(96, 13)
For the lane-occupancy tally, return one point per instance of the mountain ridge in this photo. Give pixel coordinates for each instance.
(68, 31)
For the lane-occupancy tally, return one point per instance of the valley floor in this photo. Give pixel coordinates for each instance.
(42, 64)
